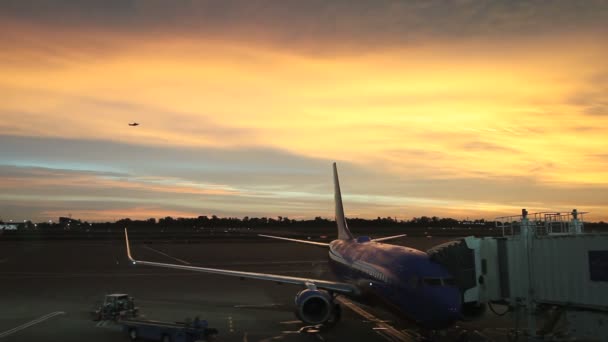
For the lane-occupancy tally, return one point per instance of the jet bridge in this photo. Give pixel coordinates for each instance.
(543, 265)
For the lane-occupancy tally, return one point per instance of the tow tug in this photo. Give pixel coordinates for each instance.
(116, 306)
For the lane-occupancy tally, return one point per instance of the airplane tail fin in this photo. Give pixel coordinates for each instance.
(343, 232)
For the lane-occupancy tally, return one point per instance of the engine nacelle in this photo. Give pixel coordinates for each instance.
(314, 306)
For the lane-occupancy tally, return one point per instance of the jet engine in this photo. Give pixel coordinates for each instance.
(316, 307)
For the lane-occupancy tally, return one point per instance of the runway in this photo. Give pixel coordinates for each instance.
(49, 288)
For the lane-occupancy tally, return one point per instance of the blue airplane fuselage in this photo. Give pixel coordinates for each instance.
(402, 279)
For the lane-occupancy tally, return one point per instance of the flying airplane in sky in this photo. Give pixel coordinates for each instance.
(401, 279)
(133, 124)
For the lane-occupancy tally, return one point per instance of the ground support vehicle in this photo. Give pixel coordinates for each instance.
(189, 331)
(116, 306)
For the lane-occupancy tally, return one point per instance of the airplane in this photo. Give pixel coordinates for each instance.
(401, 279)
(133, 124)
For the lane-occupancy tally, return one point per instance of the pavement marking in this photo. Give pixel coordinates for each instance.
(18, 275)
(386, 331)
(94, 275)
(286, 262)
(274, 338)
(167, 255)
(104, 323)
(29, 324)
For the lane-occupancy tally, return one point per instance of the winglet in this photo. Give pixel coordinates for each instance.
(129, 247)
(343, 232)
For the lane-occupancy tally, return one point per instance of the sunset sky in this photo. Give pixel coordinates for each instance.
(455, 109)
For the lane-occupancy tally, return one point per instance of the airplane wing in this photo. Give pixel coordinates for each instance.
(343, 288)
(319, 244)
(389, 238)
(322, 244)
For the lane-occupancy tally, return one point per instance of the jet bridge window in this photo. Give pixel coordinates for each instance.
(598, 265)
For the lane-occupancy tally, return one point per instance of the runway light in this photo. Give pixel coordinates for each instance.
(370, 284)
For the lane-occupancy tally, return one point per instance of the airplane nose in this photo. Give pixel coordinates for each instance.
(453, 309)
(454, 313)
(445, 318)
(450, 316)
(445, 307)
(445, 314)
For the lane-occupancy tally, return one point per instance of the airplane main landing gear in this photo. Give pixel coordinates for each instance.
(335, 316)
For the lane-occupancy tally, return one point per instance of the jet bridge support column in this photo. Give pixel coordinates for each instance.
(576, 226)
(527, 234)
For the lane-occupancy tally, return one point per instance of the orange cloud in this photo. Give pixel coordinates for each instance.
(445, 109)
(76, 181)
(436, 98)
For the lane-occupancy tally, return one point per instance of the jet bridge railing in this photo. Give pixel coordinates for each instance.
(509, 225)
(541, 223)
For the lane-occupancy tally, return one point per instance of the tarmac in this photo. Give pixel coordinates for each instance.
(49, 288)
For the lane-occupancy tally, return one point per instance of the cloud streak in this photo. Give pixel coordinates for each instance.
(253, 183)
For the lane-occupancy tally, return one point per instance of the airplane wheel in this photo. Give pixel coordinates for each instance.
(211, 334)
(133, 334)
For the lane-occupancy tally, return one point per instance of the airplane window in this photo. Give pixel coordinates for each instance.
(432, 281)
(449, 282)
